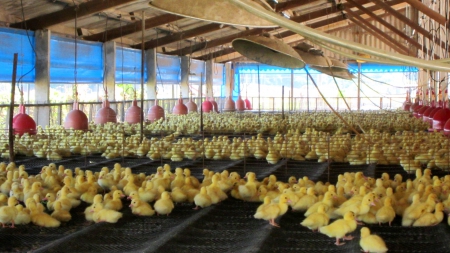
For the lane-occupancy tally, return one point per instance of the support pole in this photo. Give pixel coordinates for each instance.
(201, 103)
(359, 86)
(259, 95)
(291, 103)
(307, 93)
(282, 102)
(11, 109)
(141, 137)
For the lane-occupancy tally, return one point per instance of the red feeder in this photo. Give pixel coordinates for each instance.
(76, 119)
(407, 103)
(421, 111)
(207, 106)
(180, 108)
(440, 118)
(214, 104)
(105, 114)
(191, 105)
(155, 112)
(229, 105)
(248, 105)
(23, 123)
(240, 104)
(133, 114)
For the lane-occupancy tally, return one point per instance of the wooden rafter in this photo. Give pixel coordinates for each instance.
(67, 14)
(416, 44)
(408, 22)
(132, 28)
(429, 12)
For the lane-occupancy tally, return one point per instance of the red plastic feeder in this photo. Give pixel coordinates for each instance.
(105, 114)
(207, 106)
(229, 105)
(240, 104)
(23, 123)
(133, 114)
(214, 104)
(248, 105)
(155, 112)
(180, 108)
(76, 119)
(406, 105)
(421, 111)
(440, 118)
(191, 105)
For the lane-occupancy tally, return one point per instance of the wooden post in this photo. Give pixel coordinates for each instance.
(11, 109)
(141, 137)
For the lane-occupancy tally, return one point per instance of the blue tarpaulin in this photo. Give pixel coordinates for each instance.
(16, 41)
(168, 69)
(128, 66)
(62, 61)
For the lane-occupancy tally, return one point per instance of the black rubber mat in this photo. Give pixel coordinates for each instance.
(226, 227)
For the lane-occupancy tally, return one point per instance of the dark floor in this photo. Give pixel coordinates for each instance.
(226, 227)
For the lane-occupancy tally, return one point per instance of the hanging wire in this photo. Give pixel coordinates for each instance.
(337, 86)
(75, 87)
(332, 109)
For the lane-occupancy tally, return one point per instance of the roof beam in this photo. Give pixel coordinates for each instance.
(179, 36)
(132, 28)
(358, 20)
(314, 15)
(291, 4)
(408, 22)
(429, 12)
(416, 44)
(67, 14)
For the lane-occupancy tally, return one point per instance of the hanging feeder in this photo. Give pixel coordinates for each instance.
(105, 114)
(229, 105)
(180, 108)
(248, 105)
(240, 104)
(76, 119)
(22, 122)
(155, 112)
(133, 114)
(215, 107)
(407, 104)
(207, 106)
(191, 105)
(441, 117)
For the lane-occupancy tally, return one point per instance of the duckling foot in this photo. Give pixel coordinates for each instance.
(196, 208)
(348, 238)
(359, 223)
(337, 243)
(272, 222)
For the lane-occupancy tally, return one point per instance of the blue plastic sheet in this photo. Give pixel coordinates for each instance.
(17, 41)
(89, 67)
(168, 69)
(128, 66)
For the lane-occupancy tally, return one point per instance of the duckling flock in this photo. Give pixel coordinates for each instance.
(391, 138)
(49, 197)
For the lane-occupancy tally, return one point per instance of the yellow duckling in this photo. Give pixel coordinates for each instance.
(141, 208)
(164, 205)
(59, 213)
(116, 202)
(40, 218)
(273, 210)
(88, 196)
(371, 243)
(88, 214)
(386, 213)
(101, 214)
(249, 190)
(306, 201)
(214, 190)
(317, 219)
(202, 199)
(178, 195)
(8, 213)
(339, 228)
(23, 215)
(431, 219)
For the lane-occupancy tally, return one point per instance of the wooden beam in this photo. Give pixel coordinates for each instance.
(67, 14)
(408, 22)
(376, 32)
(417, 45)
(291, 4)
(132, 28)
(429, 12)
(181, 35)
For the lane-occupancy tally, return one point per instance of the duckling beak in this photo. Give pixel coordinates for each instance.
(128, 197)
(289, 201)
(372, 203)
